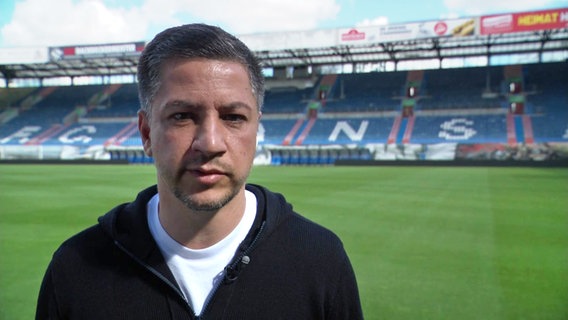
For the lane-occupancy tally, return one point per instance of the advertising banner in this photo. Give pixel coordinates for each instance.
(365, 35)
(524, 21)
(407, 31)
(95, 51)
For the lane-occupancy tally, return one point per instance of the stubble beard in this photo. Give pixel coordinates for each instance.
(192, 202)
(206, 207)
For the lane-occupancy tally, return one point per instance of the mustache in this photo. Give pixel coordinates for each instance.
(205, 163)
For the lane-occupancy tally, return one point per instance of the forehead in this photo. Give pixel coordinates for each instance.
(204, 79)
(202, 70)
(192, 75)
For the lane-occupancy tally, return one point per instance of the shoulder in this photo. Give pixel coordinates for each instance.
(294, 233)
(280, 216)
(85, 246)
(125, 223)
(308, 233)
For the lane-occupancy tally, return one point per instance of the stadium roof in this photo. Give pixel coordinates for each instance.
(75, 68)
(419, 49)
(533, 33)
(422, 49)
(75, 61)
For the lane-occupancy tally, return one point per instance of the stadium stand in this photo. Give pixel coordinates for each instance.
(547, 99)
(357, 110)
(461, 88)
(287, 100)
(366, 92)
(119, 101)
(429, 93)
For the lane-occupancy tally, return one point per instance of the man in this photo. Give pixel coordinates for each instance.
(202, 244)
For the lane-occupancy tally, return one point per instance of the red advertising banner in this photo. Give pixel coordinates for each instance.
(524, 21)
(94, 51)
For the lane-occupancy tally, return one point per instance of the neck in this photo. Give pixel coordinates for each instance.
(200, 229)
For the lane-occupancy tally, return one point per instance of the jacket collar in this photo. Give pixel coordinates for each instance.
(127, 224)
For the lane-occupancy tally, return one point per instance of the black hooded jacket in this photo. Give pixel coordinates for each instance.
(287, 268)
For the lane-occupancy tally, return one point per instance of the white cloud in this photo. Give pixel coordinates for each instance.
(253, 16)
(68, 22)
(378, 21)
(60, 22)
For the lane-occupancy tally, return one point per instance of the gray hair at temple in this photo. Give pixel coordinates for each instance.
(193, 41)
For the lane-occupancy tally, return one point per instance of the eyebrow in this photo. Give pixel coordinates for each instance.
(190, 105)
(180, 103)
(237, 105)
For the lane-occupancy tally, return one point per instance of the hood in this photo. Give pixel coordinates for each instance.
(127, 223)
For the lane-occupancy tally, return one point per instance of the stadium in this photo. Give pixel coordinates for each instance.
(345, 110)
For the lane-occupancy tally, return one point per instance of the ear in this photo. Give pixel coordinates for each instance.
(256, 138)
(144, 128)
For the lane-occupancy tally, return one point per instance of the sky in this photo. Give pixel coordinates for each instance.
(38, 23)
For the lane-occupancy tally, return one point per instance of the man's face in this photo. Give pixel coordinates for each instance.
(202, 131)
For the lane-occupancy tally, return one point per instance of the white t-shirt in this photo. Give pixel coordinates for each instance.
(198, 271)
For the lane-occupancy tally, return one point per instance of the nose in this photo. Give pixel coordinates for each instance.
(209, 137)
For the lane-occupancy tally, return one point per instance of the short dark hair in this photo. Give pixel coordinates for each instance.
(194, 41)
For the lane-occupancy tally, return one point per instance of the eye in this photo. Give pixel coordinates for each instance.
(180, 116)
(234, 117)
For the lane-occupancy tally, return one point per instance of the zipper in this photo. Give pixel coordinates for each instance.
(232, 266)
(159, 275)
(248, 250)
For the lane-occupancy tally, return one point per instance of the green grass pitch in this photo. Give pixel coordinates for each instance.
(425, 242)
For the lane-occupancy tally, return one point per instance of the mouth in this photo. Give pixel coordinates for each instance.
(207, 175)
(206, 169)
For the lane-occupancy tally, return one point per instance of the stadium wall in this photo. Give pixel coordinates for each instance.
(555, 155)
